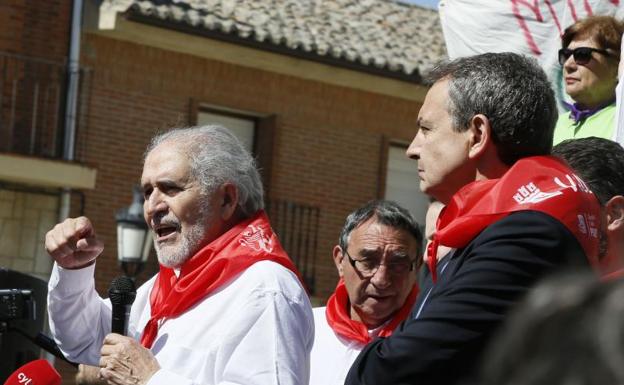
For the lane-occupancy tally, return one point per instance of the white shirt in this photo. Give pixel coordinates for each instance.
(332, 355)
(258, 329)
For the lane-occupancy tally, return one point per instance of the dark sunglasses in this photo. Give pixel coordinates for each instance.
(582, 55)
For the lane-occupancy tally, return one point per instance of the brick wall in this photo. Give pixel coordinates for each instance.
(34, 42)
(36, 28)
(327, 146)
(40, 30)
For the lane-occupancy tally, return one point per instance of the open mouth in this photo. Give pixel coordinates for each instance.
(165, 231)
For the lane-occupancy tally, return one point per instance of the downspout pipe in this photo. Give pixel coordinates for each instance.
(73, 80)
(71, 98)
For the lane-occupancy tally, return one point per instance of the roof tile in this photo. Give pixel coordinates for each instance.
(384, 34)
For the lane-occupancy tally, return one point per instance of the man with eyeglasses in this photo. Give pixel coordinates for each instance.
(375, 258)
(589, 59)
(513, 215)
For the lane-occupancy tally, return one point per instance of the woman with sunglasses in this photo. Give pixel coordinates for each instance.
(589, 57)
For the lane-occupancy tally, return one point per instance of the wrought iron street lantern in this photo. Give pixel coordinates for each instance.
(134, 239)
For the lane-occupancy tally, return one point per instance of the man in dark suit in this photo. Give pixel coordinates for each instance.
(513, 214)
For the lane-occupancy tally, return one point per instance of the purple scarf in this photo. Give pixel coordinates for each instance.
(577, 113)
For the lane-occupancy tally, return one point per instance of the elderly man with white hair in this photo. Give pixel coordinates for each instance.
(225, 308)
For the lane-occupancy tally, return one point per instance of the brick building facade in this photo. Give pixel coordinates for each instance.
(328, 142)
(322, 131)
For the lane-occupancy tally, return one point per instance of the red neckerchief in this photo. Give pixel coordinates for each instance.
(539, 183)
(612, 276)
(243, 245)
(339, 317)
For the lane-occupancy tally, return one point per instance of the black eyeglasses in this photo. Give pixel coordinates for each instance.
(582, 55)
(368, 267)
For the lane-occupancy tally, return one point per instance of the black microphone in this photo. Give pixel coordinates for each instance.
(121, 295)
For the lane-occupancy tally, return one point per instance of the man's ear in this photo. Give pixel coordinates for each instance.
(614, 209)
(480, 133)
(338, 258)
(228, 200)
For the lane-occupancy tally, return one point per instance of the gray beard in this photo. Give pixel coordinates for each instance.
(174, 257)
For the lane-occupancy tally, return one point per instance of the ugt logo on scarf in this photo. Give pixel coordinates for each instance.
(255, 238)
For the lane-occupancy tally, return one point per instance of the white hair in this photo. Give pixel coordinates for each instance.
(216, 156)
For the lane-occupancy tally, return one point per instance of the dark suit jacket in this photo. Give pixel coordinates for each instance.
(441, 341)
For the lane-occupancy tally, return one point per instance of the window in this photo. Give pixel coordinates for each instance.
(402, 182)
(254, 130)
(243, 128)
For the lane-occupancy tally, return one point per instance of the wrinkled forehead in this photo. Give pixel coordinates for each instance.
(375, 235)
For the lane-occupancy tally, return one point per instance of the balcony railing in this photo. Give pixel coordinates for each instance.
(32, 105)
(296, 226)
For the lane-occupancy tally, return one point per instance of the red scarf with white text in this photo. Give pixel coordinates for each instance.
(539, 183)
(246, 243)
(339, 319)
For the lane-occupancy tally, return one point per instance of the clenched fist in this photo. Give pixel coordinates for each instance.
(73, 244)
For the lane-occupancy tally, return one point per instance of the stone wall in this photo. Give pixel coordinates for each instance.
(25, 217)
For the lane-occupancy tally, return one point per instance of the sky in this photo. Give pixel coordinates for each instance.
(425, 3)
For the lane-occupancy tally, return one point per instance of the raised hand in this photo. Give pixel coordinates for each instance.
(73, 244)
